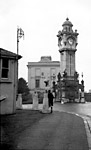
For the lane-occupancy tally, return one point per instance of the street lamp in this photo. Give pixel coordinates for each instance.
(20, 34)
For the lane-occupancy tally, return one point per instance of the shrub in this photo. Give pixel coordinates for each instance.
(27, 98)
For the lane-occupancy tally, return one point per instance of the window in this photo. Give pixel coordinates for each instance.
(42, 73)
(69, 29)
(37, 83)
(5, 67)
(37, 71)
(65, 43)
(53, 73)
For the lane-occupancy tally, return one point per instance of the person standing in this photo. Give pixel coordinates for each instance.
(50, 100)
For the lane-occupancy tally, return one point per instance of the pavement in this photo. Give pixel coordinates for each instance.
(86, 120)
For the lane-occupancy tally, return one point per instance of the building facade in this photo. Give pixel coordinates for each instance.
(8, 81)
(39, 72)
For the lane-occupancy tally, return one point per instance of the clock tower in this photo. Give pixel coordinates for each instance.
(67, 43)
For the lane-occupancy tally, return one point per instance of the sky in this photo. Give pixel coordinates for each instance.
(41, 20)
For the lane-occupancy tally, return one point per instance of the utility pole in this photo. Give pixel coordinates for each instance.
(20, 34)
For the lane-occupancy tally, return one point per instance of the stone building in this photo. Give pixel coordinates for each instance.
(8, 81)
(69, 83)
(39, 72)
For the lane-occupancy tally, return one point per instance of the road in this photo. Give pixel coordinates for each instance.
(57, 131)
(78, 108)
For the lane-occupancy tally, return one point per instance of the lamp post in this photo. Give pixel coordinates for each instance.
(20, 34)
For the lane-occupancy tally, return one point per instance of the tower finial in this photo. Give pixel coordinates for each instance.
(67, 19)
(82, 74)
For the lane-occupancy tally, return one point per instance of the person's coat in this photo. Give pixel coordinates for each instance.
(50, 99)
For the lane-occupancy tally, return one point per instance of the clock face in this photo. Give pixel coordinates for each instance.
(71, 41)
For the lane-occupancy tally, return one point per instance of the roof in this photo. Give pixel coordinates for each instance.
(67, 22)
(9, 54)
(44, 61)
(43, 64)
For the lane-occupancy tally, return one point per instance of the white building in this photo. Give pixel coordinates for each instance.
(44, 70)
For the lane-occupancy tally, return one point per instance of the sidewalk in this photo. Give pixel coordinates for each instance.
(87, 121)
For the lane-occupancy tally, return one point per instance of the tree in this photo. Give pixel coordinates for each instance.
(22, 86)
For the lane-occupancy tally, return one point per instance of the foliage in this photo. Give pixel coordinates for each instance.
(27, 98)
(22, 86)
